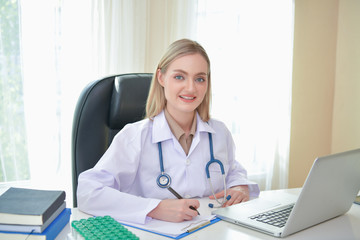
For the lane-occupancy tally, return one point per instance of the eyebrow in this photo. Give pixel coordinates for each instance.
(182, 71)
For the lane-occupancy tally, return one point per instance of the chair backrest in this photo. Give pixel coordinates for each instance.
(104, 107)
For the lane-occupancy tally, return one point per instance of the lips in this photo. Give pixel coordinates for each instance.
(187, 97)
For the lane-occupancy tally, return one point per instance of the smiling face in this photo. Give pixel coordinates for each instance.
(185, 84)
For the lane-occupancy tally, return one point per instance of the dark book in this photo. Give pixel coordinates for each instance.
(32, 228)
(50, 232)
(29, 206)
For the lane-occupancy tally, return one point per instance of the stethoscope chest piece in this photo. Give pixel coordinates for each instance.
(163, 180)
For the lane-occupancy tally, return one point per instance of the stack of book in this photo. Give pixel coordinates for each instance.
(32, 214)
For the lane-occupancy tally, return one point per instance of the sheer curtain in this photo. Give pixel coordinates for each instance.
(39, 38)
(56, 65)
(250, 45)
(130, 36)
(66, 44)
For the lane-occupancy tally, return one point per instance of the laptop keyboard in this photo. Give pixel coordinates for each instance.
(277, 217)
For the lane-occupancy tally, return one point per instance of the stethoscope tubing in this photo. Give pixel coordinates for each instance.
(161, 158)
(212, 159)
(164, 180)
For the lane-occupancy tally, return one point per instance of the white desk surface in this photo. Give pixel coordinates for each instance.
(343, 227)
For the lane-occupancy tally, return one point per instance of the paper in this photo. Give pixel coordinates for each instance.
(173, 230)
(170, 228)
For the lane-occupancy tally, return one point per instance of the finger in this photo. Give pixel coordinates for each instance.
(230, 200)
(218, 195)
(192, 213)
(194, 205)
(189, 207)
(189, 214)
(245, 199)
(236, 199)
(193, 202)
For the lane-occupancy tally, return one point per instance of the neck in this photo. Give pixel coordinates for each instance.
(184, 120)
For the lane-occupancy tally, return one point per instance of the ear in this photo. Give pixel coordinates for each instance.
(160, 77)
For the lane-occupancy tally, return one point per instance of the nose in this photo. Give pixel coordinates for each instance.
(190, 85)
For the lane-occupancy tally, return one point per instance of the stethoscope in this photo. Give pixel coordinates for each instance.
(164, 180)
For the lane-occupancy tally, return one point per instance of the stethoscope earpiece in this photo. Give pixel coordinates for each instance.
(227, 199)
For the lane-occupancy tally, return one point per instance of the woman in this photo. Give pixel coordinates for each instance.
(130, 181)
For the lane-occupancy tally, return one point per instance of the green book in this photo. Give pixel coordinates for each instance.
(29, 206)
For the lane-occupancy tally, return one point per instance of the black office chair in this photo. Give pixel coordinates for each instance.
(103, 109)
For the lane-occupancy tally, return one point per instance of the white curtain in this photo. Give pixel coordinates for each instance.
(39, 38)
(56, 63)
(66, 44)
(250, 46)
(131, 35)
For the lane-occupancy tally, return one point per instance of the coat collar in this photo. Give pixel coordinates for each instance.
(161, 130)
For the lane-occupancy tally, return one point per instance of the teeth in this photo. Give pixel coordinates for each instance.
(187, 98)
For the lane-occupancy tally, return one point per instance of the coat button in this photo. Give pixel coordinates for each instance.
(188, 161)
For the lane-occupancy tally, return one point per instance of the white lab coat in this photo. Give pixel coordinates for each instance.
(123, 182)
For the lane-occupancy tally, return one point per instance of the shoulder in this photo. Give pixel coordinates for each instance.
(217, 125)
(220, 131)
(133, 131)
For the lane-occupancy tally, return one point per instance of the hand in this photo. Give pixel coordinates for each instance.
(238, 194)
(175, 210)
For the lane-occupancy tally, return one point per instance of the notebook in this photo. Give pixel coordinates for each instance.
(329, 191)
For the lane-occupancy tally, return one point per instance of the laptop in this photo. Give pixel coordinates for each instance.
(329, 191)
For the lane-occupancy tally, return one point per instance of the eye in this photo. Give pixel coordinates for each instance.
(200, 79)
(179, 77)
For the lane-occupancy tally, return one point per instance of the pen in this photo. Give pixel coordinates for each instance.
(180, 197)
(197, 227)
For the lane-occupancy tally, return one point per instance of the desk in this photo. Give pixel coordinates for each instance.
(343, 227)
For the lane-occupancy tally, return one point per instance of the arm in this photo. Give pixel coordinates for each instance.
(239, 187)
(111, 188)
(98, 194)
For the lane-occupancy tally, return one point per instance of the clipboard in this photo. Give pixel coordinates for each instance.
(180, 229)
(200, 224)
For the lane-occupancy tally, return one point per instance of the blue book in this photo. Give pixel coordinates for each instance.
(49, 233)
(32, 228)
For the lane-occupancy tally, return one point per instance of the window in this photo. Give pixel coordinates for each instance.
(48, 54)
(14, 164)
(250, 47)
(44, 64)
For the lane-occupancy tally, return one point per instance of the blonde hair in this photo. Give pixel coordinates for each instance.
(156, 101)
